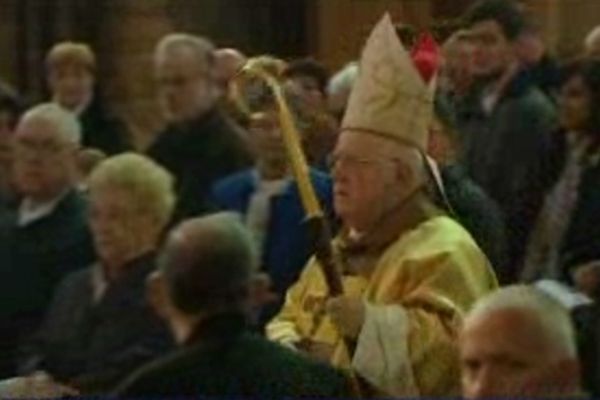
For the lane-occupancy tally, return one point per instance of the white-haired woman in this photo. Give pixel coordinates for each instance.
(100, 327)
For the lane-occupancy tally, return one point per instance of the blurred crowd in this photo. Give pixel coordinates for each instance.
(460, 181)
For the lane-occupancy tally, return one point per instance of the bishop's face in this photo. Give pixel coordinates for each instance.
(366, 183)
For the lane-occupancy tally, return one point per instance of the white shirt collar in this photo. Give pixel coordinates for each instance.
(30, 212)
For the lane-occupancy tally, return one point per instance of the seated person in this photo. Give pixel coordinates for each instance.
(268, 198)
(201, 289)
(518, 343)
(47, 237)
(100, 326)
(71, 69)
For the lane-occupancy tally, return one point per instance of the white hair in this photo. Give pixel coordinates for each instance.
(204, 48)
(148, 184)
(592, 40)
(341, 84)
(554, 319)
(64, 121)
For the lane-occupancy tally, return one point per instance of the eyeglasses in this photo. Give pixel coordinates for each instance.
(41, 149)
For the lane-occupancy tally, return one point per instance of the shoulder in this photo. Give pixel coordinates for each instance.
(439, 241)
(77, 281)
(296, 370)
(320, 179)
(234, 182)
(232, 187)
(150, 379)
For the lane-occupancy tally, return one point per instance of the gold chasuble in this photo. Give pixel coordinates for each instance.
(417, 281)
(421, 286)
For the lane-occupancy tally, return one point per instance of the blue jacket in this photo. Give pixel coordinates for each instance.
(287, 247)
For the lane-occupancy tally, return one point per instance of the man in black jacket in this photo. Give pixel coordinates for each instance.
(200, 144)
(202, 290)
(47, 237)
(506, 123)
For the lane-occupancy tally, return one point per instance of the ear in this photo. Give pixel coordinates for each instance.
(156, 294)
(404, 173)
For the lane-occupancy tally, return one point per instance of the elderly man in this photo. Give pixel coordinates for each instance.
(71, 69)
(200, 144)
(409, 271)
(48, 237)
(227, 64)
(99, 326)
(518, 343)
(201, 289)
(592, 43)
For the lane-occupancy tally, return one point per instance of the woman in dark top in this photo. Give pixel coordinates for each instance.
(100, 327)
(564, 243)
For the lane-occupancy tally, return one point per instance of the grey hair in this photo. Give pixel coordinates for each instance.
(208, 263)
(593, 40)
(204, 48)
(64, 121)
(344, 79)
(554, 319)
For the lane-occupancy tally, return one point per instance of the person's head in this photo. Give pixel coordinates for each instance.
(47, 140)
(580, 97)
(495, 25)
(529, 46)
(444, 140)
(87, 160)
(458, 64)
(372, 176)
(309, 78)
(592, 43)
(518, 342)
(339, 89)
(184, 67)
(265, 127)
(131, 201)
(10, 110)
(71, 67)
(205, 269)
(227, 63)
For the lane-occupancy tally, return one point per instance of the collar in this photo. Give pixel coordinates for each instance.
(132, 271)
(30, 212)
(218, 328)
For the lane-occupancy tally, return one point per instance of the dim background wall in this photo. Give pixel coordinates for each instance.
(124, 32)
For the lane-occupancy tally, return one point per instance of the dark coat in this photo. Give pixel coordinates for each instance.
(223, 360)
(479, 214)
(581, 242)
(198, 153)
(287, 245)
(92, 345)
(103, 130)
(505, 152)
(34, 259)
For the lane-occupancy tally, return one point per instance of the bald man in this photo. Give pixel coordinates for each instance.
(592, 43)
(201, 289)
(518, 342)
(227, 63)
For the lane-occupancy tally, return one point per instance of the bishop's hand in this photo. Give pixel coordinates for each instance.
(348, 315)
